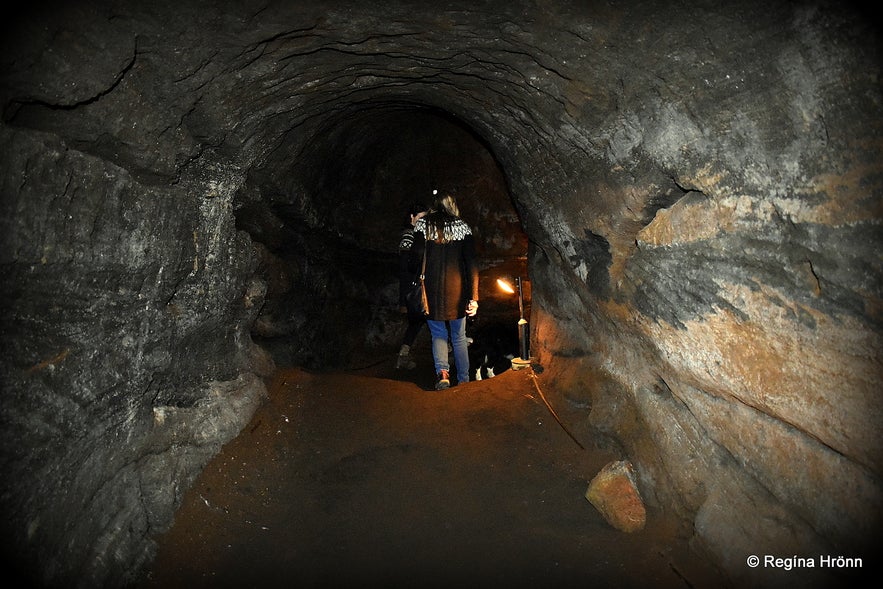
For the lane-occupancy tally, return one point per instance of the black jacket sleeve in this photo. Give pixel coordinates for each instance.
(409, 268)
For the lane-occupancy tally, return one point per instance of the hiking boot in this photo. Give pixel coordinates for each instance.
(443, 381)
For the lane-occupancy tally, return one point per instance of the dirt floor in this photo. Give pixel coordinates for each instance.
(370, 477)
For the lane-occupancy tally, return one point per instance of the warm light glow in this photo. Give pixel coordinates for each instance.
(505, 286)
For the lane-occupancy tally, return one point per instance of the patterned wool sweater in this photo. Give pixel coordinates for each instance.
(451, 270)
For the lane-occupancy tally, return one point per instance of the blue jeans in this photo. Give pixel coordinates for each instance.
(439, 332)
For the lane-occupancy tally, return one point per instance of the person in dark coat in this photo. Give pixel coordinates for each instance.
(408, 273)
(451, 285)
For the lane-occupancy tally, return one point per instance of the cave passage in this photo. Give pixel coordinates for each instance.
(198, 195)
(360, 172)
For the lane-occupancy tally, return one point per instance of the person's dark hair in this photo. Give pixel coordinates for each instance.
(417, 207)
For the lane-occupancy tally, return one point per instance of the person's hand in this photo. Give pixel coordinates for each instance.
(472, 308)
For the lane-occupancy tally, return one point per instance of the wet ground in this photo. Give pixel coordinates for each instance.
(370, 477)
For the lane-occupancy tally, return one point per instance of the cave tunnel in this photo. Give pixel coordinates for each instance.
(367, 165)
(197, 195)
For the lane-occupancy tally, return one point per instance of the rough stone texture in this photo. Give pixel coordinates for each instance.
(127, 358)
(699, 187)
(613, 492)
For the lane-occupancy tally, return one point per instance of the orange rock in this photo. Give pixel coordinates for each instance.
(614, 494)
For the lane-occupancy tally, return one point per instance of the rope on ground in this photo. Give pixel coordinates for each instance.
(536, 384)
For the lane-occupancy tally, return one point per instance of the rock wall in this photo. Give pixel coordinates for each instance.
(700, 187)
(721, 250)
(127, 355)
